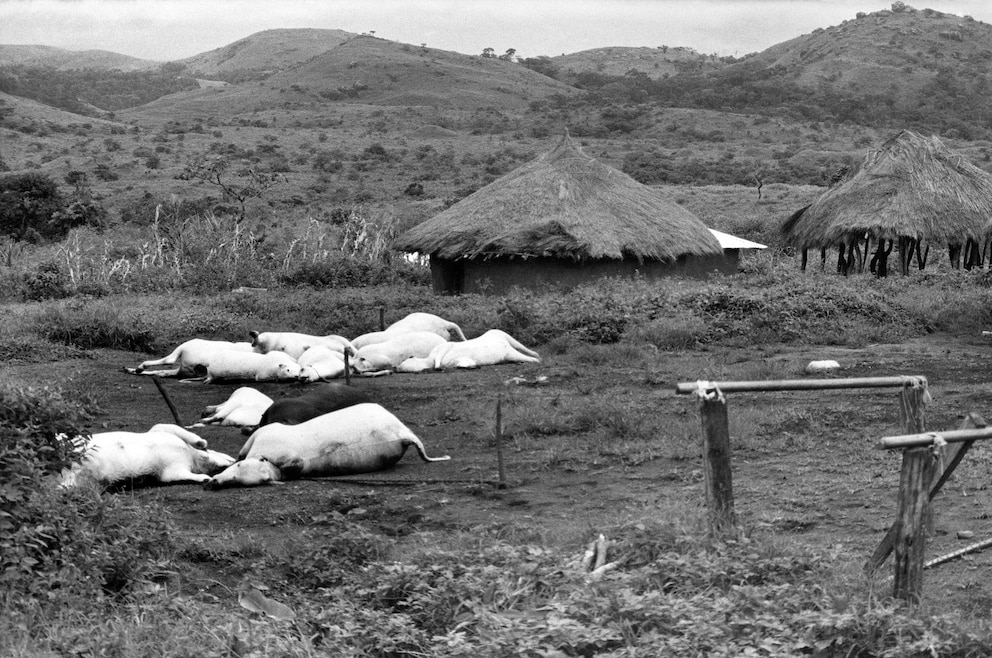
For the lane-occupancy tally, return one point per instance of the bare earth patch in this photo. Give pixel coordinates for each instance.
(581, 454)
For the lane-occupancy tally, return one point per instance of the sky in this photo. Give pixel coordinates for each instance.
(165, 30)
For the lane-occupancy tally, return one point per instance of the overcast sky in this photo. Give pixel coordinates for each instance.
(174, 29)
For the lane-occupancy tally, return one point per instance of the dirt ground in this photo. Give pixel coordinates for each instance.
(805, 467)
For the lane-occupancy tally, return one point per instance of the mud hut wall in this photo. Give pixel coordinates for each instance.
(500, 275)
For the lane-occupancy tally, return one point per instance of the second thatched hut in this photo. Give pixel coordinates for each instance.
(910, 193)
(558, 221)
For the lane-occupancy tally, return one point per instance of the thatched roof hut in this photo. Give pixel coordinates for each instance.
(558, 220)
(912, 188)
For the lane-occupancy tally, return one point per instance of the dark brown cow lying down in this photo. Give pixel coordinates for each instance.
(317, 401)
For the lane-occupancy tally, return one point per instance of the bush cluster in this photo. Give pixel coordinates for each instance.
(62, 548)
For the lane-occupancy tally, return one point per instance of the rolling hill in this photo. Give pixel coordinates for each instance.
(263, 53)
(889, 67)
(349, 119)
(369, 71)
(62, 59)
(660, 62)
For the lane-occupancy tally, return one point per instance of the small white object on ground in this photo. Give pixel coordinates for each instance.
(822, 366)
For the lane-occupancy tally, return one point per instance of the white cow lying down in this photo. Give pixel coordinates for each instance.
(190, 358)
(389, 354)
(494, 346)
(412, 322)
(252, 366)
(243, 409)
(295, 344)
(320, 363)
(359, 439)
(165, 453)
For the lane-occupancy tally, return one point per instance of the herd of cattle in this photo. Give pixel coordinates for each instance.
(332, 429)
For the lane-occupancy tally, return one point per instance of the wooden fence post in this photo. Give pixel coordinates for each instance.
(716, 464)
(912, 414)
(918, 467)
(500, 468)
(884, 549)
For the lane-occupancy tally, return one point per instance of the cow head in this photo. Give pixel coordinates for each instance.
(249, 472)
(286, 371)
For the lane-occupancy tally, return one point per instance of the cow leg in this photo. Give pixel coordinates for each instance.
(171, 372)
(188, 437)
(182, 473)
(514, 356)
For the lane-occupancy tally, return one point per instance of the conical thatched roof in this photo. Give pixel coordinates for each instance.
(563, 204)
(912, 187)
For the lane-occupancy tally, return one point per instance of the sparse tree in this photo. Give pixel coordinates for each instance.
(79, 181)
(508, 55)
(241, 185)
(488, 53)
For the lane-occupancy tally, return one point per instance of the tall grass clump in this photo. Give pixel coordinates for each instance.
(98, 324)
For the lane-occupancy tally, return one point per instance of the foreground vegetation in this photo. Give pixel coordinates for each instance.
(90, 573)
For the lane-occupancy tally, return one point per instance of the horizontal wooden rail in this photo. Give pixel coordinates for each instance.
(927, 438)
(687, 388)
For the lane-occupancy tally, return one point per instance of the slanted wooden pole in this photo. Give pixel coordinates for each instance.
(382, 318)
(972, 429)
(716, 464)
(918, 467)
(347, 369)
(168, 400)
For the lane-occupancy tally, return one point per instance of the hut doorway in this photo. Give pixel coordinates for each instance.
(448, 276)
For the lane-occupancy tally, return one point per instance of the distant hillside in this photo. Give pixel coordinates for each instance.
(264, 53)
(660, 62)
(376, 72)
(59, 58)
(896, 66)
(92, 91)
(391, 73)
(894, 69)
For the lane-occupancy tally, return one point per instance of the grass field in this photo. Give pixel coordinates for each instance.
(435, 559)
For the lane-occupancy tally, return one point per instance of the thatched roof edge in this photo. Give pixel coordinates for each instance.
(563, 204)
(912, 186)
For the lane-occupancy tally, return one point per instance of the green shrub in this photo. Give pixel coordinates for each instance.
(49, 280)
